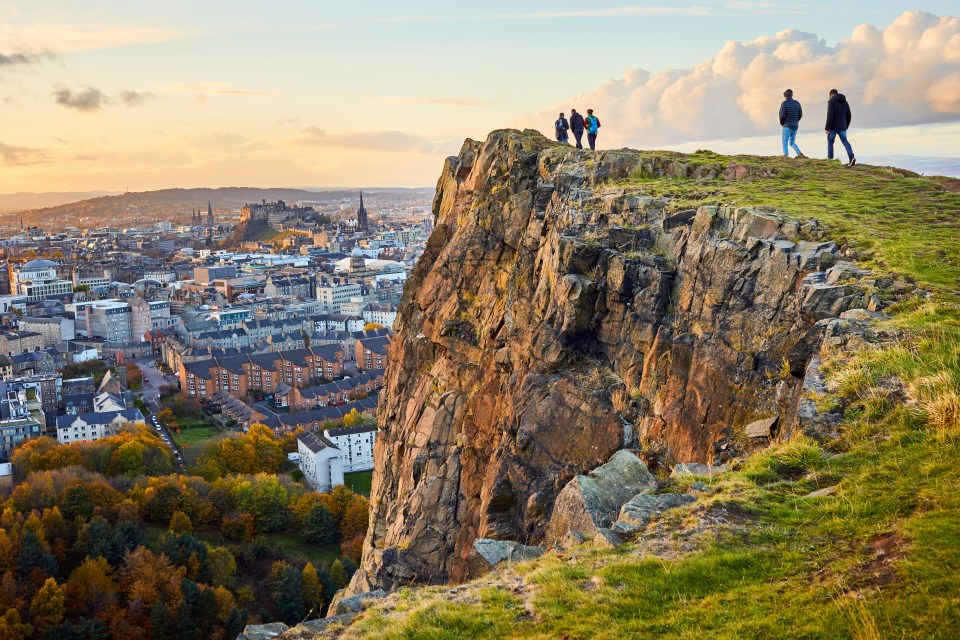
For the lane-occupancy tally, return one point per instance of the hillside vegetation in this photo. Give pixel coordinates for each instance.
(874, 554)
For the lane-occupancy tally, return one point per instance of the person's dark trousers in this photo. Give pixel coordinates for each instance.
(578, 135)
(843, 139)
(592, 139)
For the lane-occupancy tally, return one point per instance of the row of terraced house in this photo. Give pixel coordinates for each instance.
(261, 372)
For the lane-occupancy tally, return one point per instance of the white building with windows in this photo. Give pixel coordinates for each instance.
(88, 427)
(355, 445)
(332, 297)
(38, 279)
(107, 319)
(320, 461)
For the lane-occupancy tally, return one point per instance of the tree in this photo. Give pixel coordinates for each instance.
(338, 575)
(180, 523)
(356, 516)
(320, 527)
(33, 555)
(47, 607)
(91, 589)
(12, 627)
(312, 589)
(236, 621)
(222, 567)
(370, 326)
(353, 418)
(238, 527)
(289, 596)
(129, 458)
(165, 416)
(184, 626)
(160, 622)
(266, 500)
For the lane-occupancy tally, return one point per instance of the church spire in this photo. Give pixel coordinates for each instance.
(361, 215)
(209, 213)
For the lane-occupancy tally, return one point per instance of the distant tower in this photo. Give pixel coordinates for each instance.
(121, 369)
(361, 216)
(209, 213)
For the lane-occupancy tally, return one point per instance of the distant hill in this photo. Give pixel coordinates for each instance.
(165, 204)
(25, 200)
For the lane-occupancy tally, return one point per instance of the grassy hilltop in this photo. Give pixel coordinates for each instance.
(879, 557)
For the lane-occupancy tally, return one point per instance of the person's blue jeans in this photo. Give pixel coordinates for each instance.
(831, 136)
(592, 139)
(790, 138)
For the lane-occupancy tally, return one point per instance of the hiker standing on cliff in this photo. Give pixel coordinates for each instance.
(790, 114)
(838, 121)
(593, 126)
(561, 125)
(576, 126)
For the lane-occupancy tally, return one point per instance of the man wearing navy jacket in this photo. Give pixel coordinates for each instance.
(838, 121)
(790, 114)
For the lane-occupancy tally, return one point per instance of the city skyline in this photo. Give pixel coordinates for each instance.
(115, 97)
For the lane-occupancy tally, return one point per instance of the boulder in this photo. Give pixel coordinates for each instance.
(354, 604)
(822, 493)
(572, 539)
(263, 631)
(493, 552)
(638, 511)
(762, 428)
(590, 502)
(697, 469)
(607, 539)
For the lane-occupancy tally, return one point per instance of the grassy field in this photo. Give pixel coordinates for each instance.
(193, 431)
(359, 482)
(879, 558)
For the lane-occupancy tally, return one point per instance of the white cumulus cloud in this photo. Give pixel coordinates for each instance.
(905, 74)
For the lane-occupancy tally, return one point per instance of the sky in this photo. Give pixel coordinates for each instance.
(117, 95)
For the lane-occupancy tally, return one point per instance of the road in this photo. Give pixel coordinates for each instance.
(153, 379)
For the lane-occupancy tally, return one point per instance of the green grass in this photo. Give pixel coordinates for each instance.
(878, 559)
(359, 481)
(194, 430)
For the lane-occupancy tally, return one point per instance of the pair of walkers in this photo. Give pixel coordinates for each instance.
(838, 121)
(577, 125)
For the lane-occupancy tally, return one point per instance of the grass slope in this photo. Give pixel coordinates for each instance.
(880, 558)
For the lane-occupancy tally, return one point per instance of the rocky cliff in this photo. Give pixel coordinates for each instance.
(559, 315)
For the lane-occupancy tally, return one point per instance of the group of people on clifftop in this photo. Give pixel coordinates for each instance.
(838, 121)
(577, 124)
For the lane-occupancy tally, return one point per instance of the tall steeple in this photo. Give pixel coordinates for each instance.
(361, 216)
(209, 213)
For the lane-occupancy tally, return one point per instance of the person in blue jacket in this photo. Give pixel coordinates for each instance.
(838, 121)
(592, 123)
(790, 114)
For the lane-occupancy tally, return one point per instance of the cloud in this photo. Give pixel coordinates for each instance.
(390, 141)
(905, 74)
(85, 99)
(11, 59)
(12, 155)
(133, 98)
(437, 100)
(80, 37)
(213, 88)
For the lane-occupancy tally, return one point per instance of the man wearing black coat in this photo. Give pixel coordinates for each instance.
(838, 121)
(576, 126)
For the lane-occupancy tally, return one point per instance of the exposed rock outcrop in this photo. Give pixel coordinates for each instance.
(558, 316)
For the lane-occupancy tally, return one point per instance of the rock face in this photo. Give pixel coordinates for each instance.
(557, 317)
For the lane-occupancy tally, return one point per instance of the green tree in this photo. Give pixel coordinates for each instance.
(266, 500)
(130, 458)
(236, 621)
(160, 622)
(222, 567)
(180, 523)
(338, 575)
(312, 589)
(184, 626)
(320, 527)
(289, 596)
(48, 606)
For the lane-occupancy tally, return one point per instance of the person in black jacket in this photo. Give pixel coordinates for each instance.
(838, 121)
(790, 114)
(576, 126)
(561, 126)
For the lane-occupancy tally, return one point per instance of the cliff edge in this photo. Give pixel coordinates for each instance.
(560, 314)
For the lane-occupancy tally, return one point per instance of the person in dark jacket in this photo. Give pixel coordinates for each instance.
(838, 121)
(790, 114)
(576, 126)
(562, 126)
